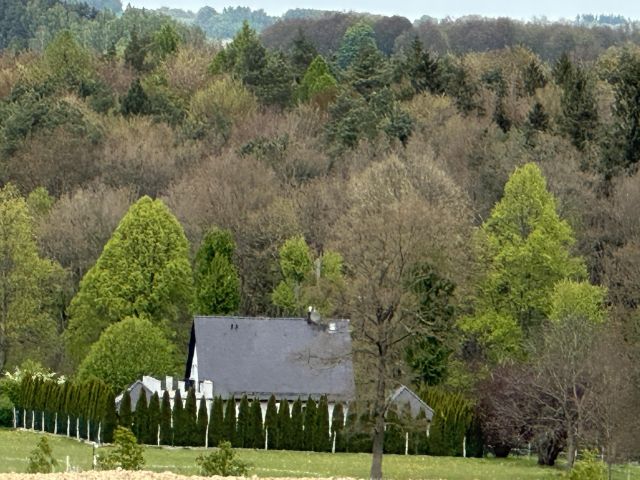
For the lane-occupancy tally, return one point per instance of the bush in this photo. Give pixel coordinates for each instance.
(41, 459)
(126, 454)
(588, 468)
(222, 462)
(6, 411)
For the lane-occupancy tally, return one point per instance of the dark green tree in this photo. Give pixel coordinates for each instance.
(393, 435)
(297, 425)
(562, 70)
(216, 422)
(136, 50)
(125, 419)
(271, 423)
(242, 424)
(180, 427)
(337, 428)
(579, 109)
(322, 439)
(154, 420)
(533, 77)
(229, 431)
(358, 37)
(310, 424)
(203, 419)
(256, 427)
(422, 69)
(538, 119)
(166, 431)
(284, 426)
(136, 101)
(141, 419)
(110, 419)
(217, 285)
(302, 53)
(191, 418)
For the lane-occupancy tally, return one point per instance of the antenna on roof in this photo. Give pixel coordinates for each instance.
(313, 316)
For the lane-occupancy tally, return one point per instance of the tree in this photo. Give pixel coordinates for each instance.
(524, 249)
(579, 109)
(322, 439)
(242, 427)
(222, 462)
(157, 285)
(166, 431)
(126, 351)
(180, 432)
(229, 430)
(297, 426)
(271, 423)
(317, 81)
(136, 101)
(141, 419)
(337, 428)
(357, 37)
(41, 459)
(216, 422)
(190, 418)
(310, 425)
(201, 431)
(152, 437)
(422, 70)
(126, 454)
(255, 425)
(110, 420)
(217, 286)
(125, 418)
(302, 53)
(284, 426)
(28, 284)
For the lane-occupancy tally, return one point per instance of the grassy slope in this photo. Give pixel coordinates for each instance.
(15, 448)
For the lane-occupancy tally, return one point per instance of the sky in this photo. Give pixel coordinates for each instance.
(412, 9)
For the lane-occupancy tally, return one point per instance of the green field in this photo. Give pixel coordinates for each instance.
(16, 445)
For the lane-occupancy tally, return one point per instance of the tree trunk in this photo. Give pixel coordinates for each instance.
(548, 446)
(571, 449)
(378, 417)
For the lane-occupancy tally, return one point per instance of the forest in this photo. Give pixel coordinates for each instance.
(465, 191)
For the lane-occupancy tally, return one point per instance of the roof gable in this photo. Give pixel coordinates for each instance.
(288, 357)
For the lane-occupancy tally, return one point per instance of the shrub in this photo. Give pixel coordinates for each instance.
(588, 468)
(222, 462)
(126, 454)
(41, 459)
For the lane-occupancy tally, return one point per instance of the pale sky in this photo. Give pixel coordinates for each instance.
(412, 9)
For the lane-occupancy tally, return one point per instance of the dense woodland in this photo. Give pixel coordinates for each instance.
(464, 191)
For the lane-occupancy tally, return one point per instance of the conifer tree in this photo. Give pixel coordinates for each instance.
(297, 425)
(216, 422)
(393, 437)
(322, 441)
(166, 431)
(180, 435)
(110, 419)
(271, 423)
(350, 428)
(337, 428)
(154, 420)
(242, 425)
(310, 419)
(125, 418)
(257, 432)
(201, 428)
(284, 426)
(191, 417)
(229, 430)
(141, 418)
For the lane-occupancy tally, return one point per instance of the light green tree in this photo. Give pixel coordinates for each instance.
(357, 37)
(217, 286)
(307, 281)
(27, 287)
(126, 351)
(317, 80)
(143, 271)
(524, 249)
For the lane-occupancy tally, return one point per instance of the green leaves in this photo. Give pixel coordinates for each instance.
(144, 271)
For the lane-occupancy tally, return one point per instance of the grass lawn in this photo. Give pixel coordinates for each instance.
(16, 445)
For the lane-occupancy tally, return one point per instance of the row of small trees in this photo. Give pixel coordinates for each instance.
(80, 409)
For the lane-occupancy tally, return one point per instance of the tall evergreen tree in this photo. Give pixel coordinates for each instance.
(166, 431)
(216, 423)
(271, 423)
(579, 109)
(229, 430)
(154, 420)
(257, 432)
(141, 419)
(242, 425)
(423, 70)
(191, 418)
(110, 419)
(337, 428)
(297, 426)
(322, 440)
(284, 426)
(310, 424)
(125, 419)
(180, 432)
(203, 420)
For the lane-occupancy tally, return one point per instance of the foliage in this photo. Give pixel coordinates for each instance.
(41, 459)
(126, 454)
(158, 285)
(357, 38)
(200, 435)
(589, 467)
(127, 350)
(216, 422)
(222, 462)
(216, 282)
(166, 430)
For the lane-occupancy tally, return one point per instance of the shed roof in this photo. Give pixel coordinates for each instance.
(288, 357)
(404, 395)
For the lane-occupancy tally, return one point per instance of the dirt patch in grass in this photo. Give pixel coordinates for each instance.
(124, 475)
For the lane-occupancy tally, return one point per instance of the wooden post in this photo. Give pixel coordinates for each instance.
(266, 439)
(15, 419)
(464, 446)
(406, 443)
(55, 424)
(42, 422)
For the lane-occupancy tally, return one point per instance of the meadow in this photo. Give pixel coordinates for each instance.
(15, 447)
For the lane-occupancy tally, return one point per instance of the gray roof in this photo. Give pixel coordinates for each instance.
(287, 357)
(404, 395)
(135, 391)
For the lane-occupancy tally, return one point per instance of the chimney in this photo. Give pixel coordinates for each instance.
(309, 310)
